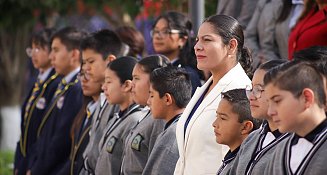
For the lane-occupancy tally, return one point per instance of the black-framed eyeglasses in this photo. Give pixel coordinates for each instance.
(163, 33)
(256, 91)
(83, 76)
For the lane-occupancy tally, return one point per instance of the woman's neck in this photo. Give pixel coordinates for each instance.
(221, 71)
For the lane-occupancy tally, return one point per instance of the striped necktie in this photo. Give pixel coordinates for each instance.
(60, 88)
(35, 91)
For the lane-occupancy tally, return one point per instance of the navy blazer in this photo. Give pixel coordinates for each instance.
(26, 145)
(81, 138)
(54, 132)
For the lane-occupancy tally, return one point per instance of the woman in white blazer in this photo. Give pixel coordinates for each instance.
(219, 49)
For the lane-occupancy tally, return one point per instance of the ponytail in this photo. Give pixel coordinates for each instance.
(245, 59)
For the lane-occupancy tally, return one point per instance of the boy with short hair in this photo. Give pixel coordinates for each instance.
(99, 49)
(233, 124)
(54, 142)
(38, 99)
(170, 91)
(296, 103)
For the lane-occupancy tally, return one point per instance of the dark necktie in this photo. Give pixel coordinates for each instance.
(60, 88)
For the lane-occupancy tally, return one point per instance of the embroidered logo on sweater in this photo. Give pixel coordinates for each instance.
(136, 143)
(111, 144)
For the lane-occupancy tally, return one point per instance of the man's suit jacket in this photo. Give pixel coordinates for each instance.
(240, 10)
(310, 31)
(199, 152)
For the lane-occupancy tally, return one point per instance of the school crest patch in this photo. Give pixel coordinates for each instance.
(41, 103)
(136, 143)
(111, 144)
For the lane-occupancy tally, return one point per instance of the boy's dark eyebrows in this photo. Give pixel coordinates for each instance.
(274, 96)
(220, 113)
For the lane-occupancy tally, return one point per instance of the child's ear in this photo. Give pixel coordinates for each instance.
(110, 58)
(127, 86)
(169, 99)
(247, 127)
(309, 97)
(75, 55)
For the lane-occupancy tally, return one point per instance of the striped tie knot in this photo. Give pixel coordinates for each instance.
(88, 113)
(61, 87)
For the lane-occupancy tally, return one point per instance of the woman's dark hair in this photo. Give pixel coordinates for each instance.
(180, 22)
(78, 121)
(294, 76)
(286, 10)
(133, 38)
(152, 62)
(229, 28)
(43, 38)
(123, 67)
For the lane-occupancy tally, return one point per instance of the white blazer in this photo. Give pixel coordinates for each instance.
(199, 152)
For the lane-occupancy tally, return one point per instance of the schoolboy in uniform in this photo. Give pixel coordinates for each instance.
(98, 50)
(53, 132)
(233, 124)
(170, 91)
(38, 99)
(296, 103)
(316, 55)
(256, 150)
(79, 132)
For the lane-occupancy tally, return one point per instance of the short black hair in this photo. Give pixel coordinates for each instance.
(152, 62)
(70, 37)
(294, 76)
(174, 81)
(105, 42)
(241, 106)
(123, 67)
(271, 64)
(42, 38)
(316, 55)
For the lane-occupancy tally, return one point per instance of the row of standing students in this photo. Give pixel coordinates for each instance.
(219, 49)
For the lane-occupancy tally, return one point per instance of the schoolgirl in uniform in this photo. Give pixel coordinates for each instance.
(118, 90)
(297, 104)
(38, 99)
(257, 148)
(141, 139)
